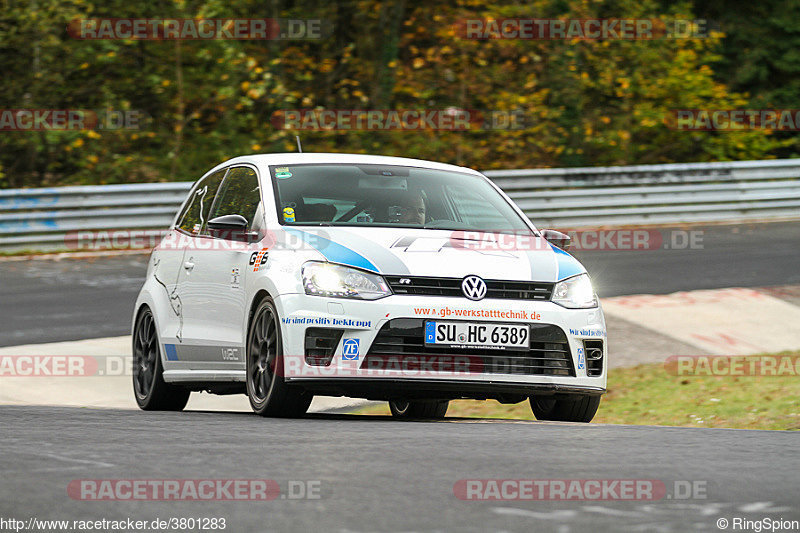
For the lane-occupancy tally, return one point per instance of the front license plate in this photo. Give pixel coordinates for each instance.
(477, 335)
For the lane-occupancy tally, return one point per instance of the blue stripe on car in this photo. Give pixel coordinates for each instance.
(386, 261)
(335, 252)
(171, 352)
(568, 266)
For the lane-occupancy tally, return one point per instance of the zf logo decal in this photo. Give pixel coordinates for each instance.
(258, 259)
(581, 359)
(350, 350)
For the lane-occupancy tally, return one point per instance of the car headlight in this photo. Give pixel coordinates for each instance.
(328, 279)
(575, 293)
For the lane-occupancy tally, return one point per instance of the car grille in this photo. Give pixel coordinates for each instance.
(506, 290)
(400, 343)
(320, 345)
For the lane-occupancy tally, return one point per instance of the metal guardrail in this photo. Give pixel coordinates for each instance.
(44, 219)
(655, 194)
(48, 218)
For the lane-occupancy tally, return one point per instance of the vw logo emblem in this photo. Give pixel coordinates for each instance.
(473, 287)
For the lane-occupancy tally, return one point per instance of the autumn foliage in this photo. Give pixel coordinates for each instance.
(578, 102)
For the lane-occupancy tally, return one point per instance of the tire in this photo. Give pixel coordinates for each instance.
(152, 393)
(408, 410)
(268, 392)
(577, 408)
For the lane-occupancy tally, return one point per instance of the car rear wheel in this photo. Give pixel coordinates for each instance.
(407, 409)
(575, 408)
(267, 390)
(150, 390)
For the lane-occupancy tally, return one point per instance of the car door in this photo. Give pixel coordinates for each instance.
(189, 229)
(168, 267)
(213, 288)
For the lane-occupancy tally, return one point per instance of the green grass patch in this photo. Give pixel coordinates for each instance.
(649, 395)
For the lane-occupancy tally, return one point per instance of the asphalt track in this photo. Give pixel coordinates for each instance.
(72, 299)
(376, 474)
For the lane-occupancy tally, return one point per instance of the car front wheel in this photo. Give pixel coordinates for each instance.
(574, 408)
(407, 409)
(267, 390)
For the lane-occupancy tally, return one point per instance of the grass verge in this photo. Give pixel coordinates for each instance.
(649, 395)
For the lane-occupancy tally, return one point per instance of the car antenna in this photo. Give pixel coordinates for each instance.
(299, 146)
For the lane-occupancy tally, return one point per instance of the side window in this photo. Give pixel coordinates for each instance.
(195, 214)
(239, 195)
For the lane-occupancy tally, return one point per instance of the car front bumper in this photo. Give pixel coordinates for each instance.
(360, 322)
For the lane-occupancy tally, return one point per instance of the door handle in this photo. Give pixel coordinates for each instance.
(188, 265)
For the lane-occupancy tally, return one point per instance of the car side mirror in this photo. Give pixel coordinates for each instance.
(556, 238)
(231, 227)
(230, 222)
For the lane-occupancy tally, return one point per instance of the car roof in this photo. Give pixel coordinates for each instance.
(295, 158)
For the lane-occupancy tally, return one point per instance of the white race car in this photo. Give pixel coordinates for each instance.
(286, 276)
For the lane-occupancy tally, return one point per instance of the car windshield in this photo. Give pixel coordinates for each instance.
(385, 195)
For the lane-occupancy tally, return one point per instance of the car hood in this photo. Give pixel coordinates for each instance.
(441, 253)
